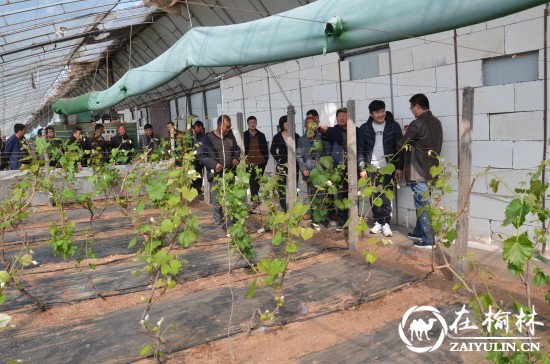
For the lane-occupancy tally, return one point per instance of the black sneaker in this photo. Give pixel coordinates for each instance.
(414, 237)
(423, 245)
(339, 227)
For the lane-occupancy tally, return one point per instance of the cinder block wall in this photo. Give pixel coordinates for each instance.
(508, 121)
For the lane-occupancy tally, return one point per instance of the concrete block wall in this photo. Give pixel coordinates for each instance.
(508, 119)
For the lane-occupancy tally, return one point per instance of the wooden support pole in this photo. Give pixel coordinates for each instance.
(240, 137)
(464, 180)
(353, 236)
(205, 186)
(291, 148)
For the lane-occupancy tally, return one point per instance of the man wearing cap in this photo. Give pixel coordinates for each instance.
(256, 150)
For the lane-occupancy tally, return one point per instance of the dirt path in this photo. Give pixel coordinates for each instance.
(292, 343)
(365, 330)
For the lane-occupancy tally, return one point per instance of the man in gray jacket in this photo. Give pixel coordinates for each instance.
(219, 152)
(424, 137)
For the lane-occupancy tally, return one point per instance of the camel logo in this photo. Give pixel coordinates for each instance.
(420, 329)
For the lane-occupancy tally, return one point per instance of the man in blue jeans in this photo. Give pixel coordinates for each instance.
(424, 137)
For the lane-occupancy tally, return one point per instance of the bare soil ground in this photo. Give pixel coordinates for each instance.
(287, 344)
(290, 342)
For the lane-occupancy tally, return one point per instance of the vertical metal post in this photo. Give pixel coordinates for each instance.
(205, 186)
(353, 236)
(291, 148)
(464, 180)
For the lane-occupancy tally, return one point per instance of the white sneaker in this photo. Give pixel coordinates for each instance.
(386, 231)
(376, 228)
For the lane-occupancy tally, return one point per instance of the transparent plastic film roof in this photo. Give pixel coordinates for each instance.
(80, 55)
(46, 47)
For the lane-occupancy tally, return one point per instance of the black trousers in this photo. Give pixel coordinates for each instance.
(197, 184)
(282, 173)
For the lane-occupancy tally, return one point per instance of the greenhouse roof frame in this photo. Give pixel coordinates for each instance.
(53, 49)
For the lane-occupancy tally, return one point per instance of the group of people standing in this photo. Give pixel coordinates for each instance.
(379, 141)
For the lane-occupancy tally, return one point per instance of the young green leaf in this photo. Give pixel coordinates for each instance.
(291, 248)
(517, 250)
(307, 233)
(145, 350)
(277, 239)
(540, 277)
(388, 169)
(251, 289)
(132, 243)
(370, 257)
(167, 226)
(515, 213)
(140, 206)
(4, 276)
(189, 194)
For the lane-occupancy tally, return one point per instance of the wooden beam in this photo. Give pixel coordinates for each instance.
(352, 177)
(464, 180)
(291, 148)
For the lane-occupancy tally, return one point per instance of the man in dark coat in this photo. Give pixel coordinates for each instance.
(338, 138)
(279, 151)
(377, 142)
(256, 150)
(198, 135)
(124, 143)
(219, 152)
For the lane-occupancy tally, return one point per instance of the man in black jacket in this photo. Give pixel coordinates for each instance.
(124, 143)
(424, 136)
(256, 151)
(54, 150)
(377, 142)
(279, 151)
(338, 138)
(79, 140)
(198, 135)
(219, 152)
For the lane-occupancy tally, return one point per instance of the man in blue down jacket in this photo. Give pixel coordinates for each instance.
(377, 145)
(15, 147)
